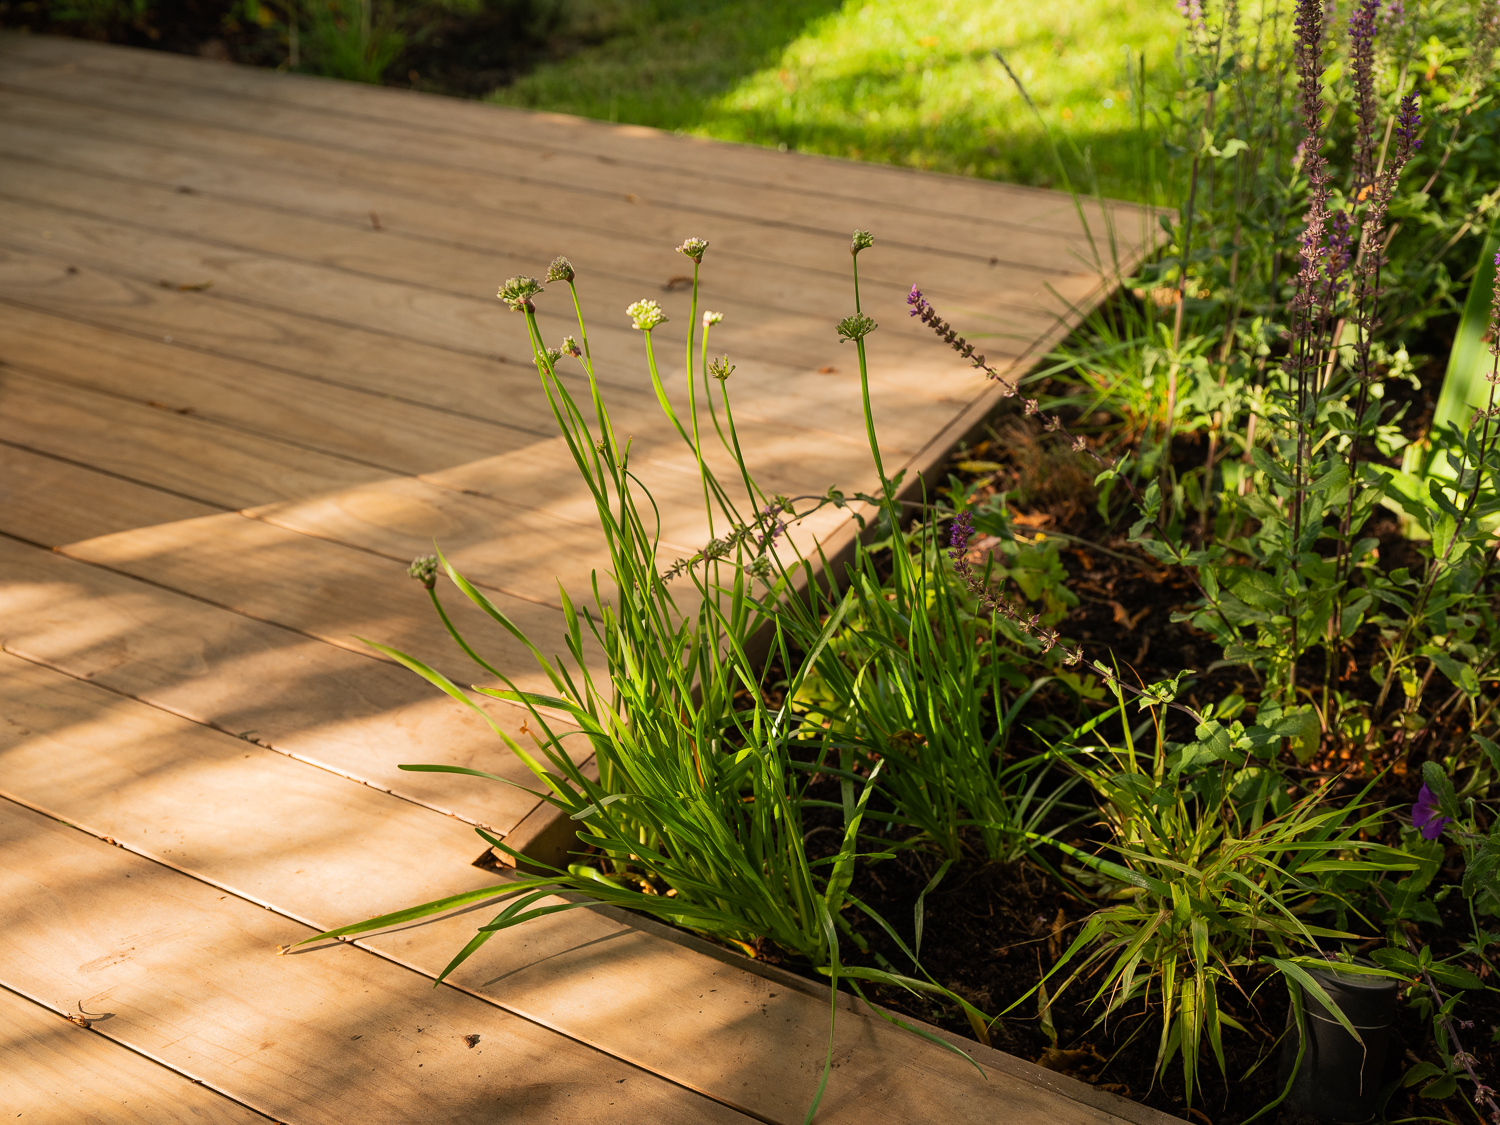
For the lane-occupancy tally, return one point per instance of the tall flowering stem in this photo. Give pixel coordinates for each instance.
(946, 332)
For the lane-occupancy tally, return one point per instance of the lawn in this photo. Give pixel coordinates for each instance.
(915, 84)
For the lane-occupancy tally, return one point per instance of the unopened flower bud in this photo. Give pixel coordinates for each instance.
(721, 368)
(862, 240)
(712, 318)
(560, 270)
(646, 315)
(856, 327)
(424, 569)
(693, 248)
(570, 347)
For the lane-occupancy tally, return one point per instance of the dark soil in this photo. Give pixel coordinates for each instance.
(462, 54)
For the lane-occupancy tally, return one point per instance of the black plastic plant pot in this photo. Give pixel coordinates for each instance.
(1340, 1080)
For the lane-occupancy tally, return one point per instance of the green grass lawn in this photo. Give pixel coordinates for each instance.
(910, 83)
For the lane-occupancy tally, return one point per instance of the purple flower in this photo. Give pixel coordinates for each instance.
(1362, 55)
(1425, 817)
(959, 535)
(1408, 121)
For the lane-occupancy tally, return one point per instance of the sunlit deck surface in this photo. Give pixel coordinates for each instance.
(251, 363)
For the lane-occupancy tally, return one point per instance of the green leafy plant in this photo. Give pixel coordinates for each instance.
(696, 814)
(1214, 867)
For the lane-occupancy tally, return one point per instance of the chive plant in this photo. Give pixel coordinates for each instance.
(696, 815)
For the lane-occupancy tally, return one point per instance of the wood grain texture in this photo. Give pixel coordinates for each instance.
(51, 502)
(186, 973)
(57, 1073)
(197, 801)
(748, 165)
(335, 708)
(237, 475)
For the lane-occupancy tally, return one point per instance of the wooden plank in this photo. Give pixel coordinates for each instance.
(49, 501)
(200, 801)
(322, 589)
(776, 349)
(400, 437)
(286, 339)
(340, 710)
(571, 178)
(216, 465)
(56, 1073)
(750, 165)
(186, 974)
(187, 798)
(259, 172)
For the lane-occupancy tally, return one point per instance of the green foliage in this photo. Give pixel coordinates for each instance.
(920, 680)
(1215, 867)
(910, 84)
(351, 39)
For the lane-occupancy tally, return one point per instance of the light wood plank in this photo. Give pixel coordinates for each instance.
(57, 1073)
(778, 350)
(747, 165)
(340, 710)
(52, 502)
(279, 832)
(216, 465)
(186, 974)
(831, 403)
(400, 437)
(263, 173)
(565, 177)
(323, 589)
(187, 798)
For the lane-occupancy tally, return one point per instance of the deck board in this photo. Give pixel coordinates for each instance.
(57, 1073)
(208, 493)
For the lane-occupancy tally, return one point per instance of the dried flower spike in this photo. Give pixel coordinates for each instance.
(518, 291)
(693, 248)
(721, 368)
(712, 318)
(424, 569)
(646, 315)
(856, 327)
(862, 240)
(560, 270)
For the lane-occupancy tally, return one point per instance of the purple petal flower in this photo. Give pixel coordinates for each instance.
(959, 535)
(1425, 817)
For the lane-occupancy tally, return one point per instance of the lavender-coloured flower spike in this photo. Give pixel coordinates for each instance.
(1425, 817)
(693, 248)
(518, 291)
(1409, 123)
(1192, 11)
(424, 569)
(959, 535)
(1362, 29)
(646, 315)
(560, 270)
(1394, 14)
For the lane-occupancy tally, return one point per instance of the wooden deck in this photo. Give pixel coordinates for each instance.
(250, 364)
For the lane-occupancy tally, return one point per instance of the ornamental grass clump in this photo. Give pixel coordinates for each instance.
(696, 815)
